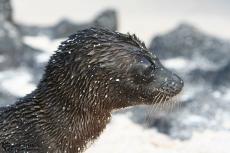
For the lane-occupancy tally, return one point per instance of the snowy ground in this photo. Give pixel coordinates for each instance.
(122, 135)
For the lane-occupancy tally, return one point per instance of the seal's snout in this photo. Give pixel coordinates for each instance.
(176, 84)
(170, 83)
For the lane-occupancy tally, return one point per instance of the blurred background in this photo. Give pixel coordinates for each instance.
(191, 37)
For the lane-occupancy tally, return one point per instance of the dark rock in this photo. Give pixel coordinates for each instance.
(107, 19)
(201, 76)
(199, 114)
(222, 77)
(13, 52)
(9, 37)
(6, 98)
(5, 10)
(65, 27)
(10, 43)
(189, 42)
(210, 54)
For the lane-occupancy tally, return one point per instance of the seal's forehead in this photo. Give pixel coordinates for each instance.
(101, 39)
(105, 35)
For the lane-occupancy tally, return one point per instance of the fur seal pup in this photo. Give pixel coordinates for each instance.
(91, 74)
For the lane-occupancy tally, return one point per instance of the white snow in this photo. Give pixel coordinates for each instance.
(122, 135)
(217, 94)
(17, 82)
(187, 65)
(2, 59)
(226, 95)
(176, 63)
(43, 43)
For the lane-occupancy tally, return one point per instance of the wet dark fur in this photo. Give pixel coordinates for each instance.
(91, 74)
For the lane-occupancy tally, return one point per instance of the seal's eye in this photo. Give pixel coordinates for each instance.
(144, 60)
(143, 71)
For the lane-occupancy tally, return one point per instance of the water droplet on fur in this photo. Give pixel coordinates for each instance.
(117, 79)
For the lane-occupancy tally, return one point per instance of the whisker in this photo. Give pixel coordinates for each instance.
(162, 103)
(151, 110)
(168, 104)
(158, 103)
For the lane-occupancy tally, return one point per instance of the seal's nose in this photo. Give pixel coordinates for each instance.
(176, 83)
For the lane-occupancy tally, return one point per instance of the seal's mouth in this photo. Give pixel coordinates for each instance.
(162, 97)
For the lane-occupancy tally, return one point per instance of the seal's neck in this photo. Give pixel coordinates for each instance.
(69, 126)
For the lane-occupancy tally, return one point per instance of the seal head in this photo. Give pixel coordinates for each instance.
(116, 67)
